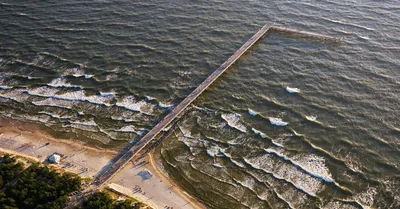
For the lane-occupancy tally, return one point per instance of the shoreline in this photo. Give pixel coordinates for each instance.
(29, 141)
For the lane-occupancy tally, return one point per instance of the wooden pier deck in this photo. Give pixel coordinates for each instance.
(304, 34)
(132, 152)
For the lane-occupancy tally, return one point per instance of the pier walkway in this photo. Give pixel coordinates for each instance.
(131, 152)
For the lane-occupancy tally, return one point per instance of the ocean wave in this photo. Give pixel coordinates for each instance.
(214, 151)
(18, 95)
(233, 121)
(61, 82)
(84, 123)
(107, 94)
(280, 170)
(338, 205)
(292, 90)
(80, 96)
(55, 103)
(312, 164)
(131, 129)
(195, 146)
(130, 103)
(2, 87)
(277, 121)
(53, 115)
(263, 135)
(252, 112)
(163, 105)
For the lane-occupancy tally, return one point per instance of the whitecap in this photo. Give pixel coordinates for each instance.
(218, 165)
(138, 106)
(61, 82)
(277, 122)
(107, 94)
(259, 133)
(84, 123)
(213, 151)
(233, 121)
(54, 115)
(149, 98)
(292, 90)
(88, 76)
(312, 164)
(131, 129)
(4, 87)
(252, 112)
(163, 105)
(312, 118)
(80, 96)
(281, 170)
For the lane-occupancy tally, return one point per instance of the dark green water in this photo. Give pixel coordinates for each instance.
(107, 70)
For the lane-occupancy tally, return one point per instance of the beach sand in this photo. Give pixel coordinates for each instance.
(157, 191)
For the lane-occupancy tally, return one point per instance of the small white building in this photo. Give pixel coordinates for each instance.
(54, 158)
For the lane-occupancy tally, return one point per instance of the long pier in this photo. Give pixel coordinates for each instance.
(138, 147)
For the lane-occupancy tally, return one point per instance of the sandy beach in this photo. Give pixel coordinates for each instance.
(142, 181)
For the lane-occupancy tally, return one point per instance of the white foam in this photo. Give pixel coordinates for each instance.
(131, 129)
(196, 146)
(130, 103)
(88, 76)
(84, 123)
(312, 164)
(287, 172)
(218, 165)
(259, 133)
(277, 122)
(107, 94)
(338, 205)
(2, 87)
(43, 91)
(18, 95)
(149, 98)
(80, 96)
(53, 115)
(163, 105)
(61, 82)
(312, 118)
(292, 90)
(366, 199)
(54, 103)
(233, 121)
(213, 150)
(252, 112)
(76, 72)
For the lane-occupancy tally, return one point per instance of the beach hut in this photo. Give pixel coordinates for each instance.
(54, 158)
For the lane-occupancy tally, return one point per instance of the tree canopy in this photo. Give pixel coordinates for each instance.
(102, 200)
(36, 187)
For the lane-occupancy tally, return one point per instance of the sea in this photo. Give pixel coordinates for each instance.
(294, 123)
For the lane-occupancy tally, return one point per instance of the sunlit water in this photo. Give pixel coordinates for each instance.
(108, 70)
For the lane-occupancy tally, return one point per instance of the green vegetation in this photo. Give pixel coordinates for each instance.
(36, 187)
(9, 169)
(102, 200)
